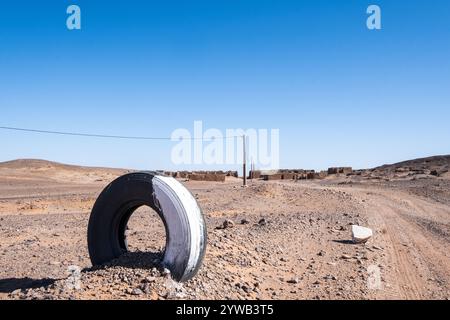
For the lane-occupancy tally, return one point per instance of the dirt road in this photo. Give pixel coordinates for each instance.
(291, 240)
(416, 233)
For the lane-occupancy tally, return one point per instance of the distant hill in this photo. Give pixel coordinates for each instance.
(36, 169)
(436, 166)
(40, 164)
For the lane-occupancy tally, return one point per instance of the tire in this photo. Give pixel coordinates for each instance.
(178, 209)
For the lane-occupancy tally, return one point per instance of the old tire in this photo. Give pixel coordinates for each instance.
(178, 209)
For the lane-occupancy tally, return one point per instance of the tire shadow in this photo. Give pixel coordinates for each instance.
(134, 260)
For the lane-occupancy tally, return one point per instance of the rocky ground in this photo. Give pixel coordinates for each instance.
(283, 239)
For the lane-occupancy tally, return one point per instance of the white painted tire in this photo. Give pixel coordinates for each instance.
(178, 209)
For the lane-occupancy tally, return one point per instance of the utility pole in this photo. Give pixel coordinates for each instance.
(245, 160)
(253, 169)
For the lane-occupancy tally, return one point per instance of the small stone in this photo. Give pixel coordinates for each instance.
(346, 257)
(246, 289)
(361, 234)
(228, 224)
(166, 272)
(244, 221)
(262, 222)
(149, 280)
(137, 292)
(146, 288)
(293, 281)
(16, 292)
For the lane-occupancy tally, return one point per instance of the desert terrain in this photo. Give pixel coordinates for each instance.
(281, 240)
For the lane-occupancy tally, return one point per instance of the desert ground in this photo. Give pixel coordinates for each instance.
(288, 240)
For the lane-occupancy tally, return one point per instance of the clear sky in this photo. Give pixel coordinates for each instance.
(339, 93)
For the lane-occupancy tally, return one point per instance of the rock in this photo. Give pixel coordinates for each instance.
(149, 280)
(246, 289)
(293, 281)
(166, 273)
(16, 292)
(137, 292)
(361, 234)
(262, 222)
(346, 257)
(244, 221)
(146, 288)
(227, 224)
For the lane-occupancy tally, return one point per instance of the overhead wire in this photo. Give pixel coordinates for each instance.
(95, 135)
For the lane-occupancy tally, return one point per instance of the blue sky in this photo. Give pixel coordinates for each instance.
(339, 93)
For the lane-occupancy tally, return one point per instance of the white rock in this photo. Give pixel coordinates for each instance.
(361, 234)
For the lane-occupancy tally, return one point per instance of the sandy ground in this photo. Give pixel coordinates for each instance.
(291, 240)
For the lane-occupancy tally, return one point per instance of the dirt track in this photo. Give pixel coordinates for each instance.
(300, 251)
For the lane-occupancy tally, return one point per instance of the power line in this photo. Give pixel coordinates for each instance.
(92, 135)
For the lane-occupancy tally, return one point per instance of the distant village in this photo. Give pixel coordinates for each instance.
(267, 175)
